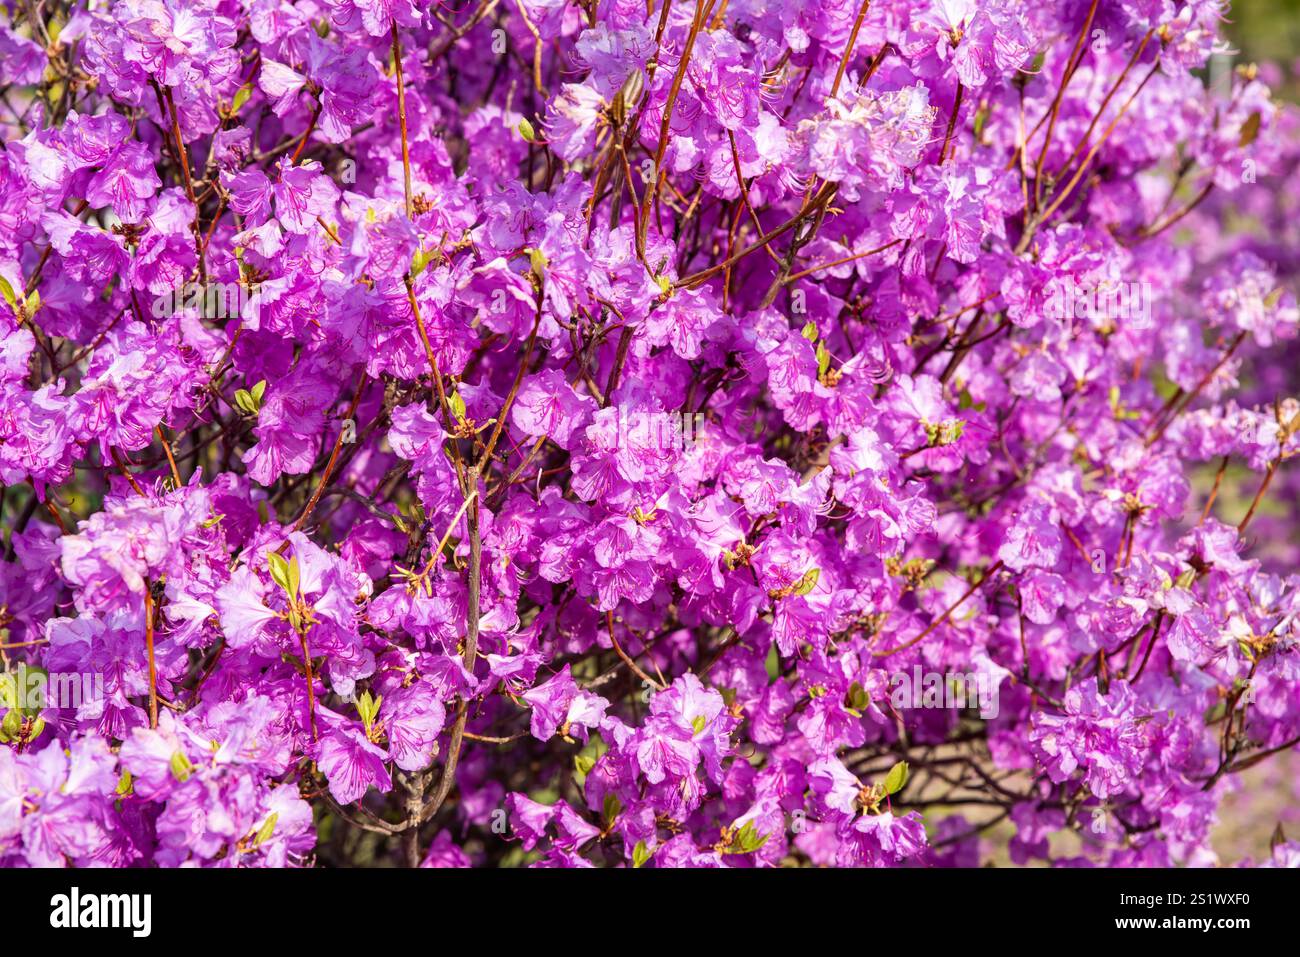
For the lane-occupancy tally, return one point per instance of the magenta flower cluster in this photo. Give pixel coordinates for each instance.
(543, 432)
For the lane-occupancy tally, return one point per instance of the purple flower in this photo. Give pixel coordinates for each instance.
(548, 406)
(126, 182)
(413, 718)
(352, 765)
(581, 415)
(1099, 733)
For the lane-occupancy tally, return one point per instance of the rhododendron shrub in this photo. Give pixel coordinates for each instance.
(608, 433)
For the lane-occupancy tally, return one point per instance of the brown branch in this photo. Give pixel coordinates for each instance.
(401, 117)
(329, 466)
(970, 590)
(848, 48)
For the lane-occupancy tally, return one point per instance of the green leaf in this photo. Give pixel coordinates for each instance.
(586, 759)
(526, 131)
(245, 402)
(181, 766)
(7, 291)
(8, 691)
(809, 331)
(772, 663)
(612, 808)
(457, 404)
(11, 725)
(896, 778)
(126, 785)
(823, 359)
(753, 840)
(250, 402)
(858, 698)
(34, 706)
(641, 854)
(967, 401)
(746, 840)
(368, 709)
(242, 96)
(944, 433)
(421, 259)
(538, 262)
(808, 582)
(266, 830)
(699, 723)
(280, 572)
(34, 302)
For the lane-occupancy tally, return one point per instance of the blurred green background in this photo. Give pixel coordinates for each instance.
(1263, 30)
